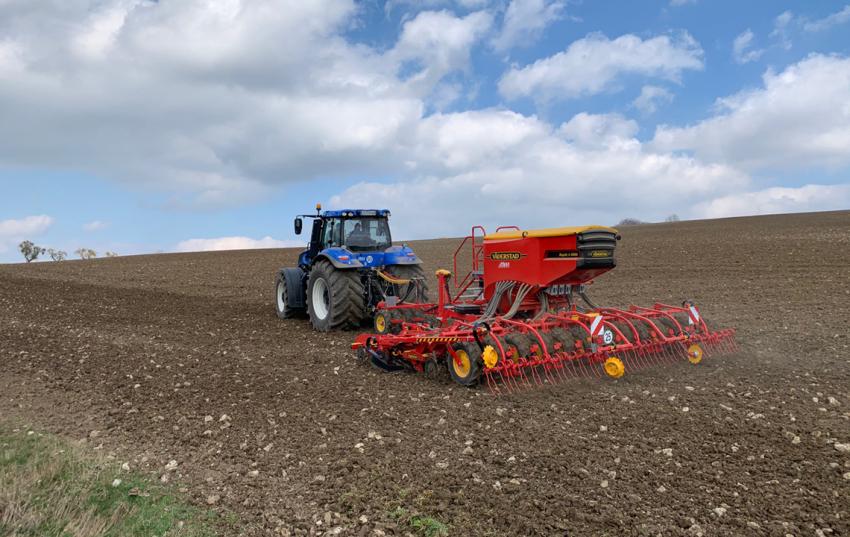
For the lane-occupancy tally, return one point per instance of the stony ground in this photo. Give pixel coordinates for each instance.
(177, 365)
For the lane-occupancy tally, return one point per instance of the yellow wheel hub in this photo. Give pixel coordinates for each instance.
(490, 356)
(695, 354)
(461, 363)
(614, 367)
(380, 323)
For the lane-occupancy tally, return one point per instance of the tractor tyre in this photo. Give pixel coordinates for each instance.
(411, 292)
(335, 298)
(284, 300)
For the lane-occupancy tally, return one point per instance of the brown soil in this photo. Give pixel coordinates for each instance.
(182, 357)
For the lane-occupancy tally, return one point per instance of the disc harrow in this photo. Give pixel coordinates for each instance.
(522, 317)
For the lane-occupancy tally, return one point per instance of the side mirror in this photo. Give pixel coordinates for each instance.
(298, 225)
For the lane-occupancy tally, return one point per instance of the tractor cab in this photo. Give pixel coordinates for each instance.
(356, 231)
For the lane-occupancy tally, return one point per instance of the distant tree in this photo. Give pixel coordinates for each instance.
(85, 253)
(630, 222)
(672, 218)
(111, 254)
(57, 255)
(30, 251)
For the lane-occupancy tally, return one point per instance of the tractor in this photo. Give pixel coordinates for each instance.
(349, 267)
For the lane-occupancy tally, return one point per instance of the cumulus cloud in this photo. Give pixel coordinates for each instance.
(742, 50)
(651, 98)
(218, 102)
(778, 200)
(12, 231)
(206, 99)
(525, 20)
(595, 63)
(233, 243)
(799, 118)
(437, 42)
(497, 167)
(834, 19)
(599, 130)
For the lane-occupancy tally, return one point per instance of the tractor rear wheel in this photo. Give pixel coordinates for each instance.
(335, 298)
(417, 290)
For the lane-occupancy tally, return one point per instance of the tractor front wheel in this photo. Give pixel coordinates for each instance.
(283, 299)
(335, 298)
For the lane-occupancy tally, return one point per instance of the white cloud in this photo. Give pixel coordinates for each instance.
(439, 43)
(233, 243)
(414, 5)
(96, 225)
(600, 130)
(778, 200)
(780, 29)
(799, 118)
(525, 20)
(840, 17)
(593, 65)
(742, 50)
(497, 167)
(202, 100)
(13, 231)
(650, 98)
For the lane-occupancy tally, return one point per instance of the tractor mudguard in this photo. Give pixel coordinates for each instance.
(295, 293)
(339, 258)
(400, 255)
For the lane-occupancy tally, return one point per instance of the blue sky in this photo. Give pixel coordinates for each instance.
(137, 126)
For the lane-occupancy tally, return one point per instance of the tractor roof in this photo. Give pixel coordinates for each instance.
(356, 213)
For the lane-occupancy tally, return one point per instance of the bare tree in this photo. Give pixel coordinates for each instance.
(30, 251)
(57, 255)
(85, 253)
(630, 222)
(672, 218)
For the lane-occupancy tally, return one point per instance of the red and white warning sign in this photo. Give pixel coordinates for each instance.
(693, 315)
(596, 326)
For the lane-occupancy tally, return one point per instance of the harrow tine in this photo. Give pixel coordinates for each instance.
(491, 385)
(636, 359)
(558, 366)
(505, 378)
(535, 371)
(671, 354)
(487, 381)
(522, 382)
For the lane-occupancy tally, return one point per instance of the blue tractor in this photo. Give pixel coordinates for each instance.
(348, 268)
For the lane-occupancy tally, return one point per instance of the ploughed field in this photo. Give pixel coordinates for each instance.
(181, 357)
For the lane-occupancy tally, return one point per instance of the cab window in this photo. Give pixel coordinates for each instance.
(366, 233)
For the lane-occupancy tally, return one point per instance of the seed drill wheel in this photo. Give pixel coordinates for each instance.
(334, 298)
(465, 365)
(695, 353)
(382, 322)
(614, 367)
(389, 321)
